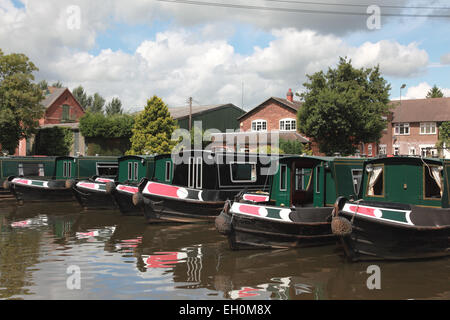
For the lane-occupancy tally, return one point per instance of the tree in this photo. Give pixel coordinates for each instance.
(444, 137)
(55, 141)
(57, 84)
(152, 130)
(43, 84)
(81, 96)
(114, 107)
(435, 92)
(344, 107)
(97, 103)
(20, 100)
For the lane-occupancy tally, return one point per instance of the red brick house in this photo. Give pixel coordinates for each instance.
(274, 115)
(62, 109)
(413, 127)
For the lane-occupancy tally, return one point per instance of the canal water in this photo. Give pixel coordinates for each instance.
(50, 251)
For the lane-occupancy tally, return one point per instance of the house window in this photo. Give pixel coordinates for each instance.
(401, 129)
(428, 128)
(288, 125)
(412, 151)
(259, 125)
(369, 150)
(65, 113)
(382, 149)
(396, 150)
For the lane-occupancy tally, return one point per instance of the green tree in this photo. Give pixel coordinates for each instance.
(114, 107)
(20, 100)
(153, 129)
(81, 96)
(43, 85)
(57, 84)
(444, 136)
(291, 147)
(435, 92)
(344, 107)
(55, 141)
(97, 103)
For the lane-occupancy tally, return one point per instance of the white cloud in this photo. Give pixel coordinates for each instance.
(445, 59)
(420, 91)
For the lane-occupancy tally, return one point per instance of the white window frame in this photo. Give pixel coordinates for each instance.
(259, 123)
(428, 125)
(382, 149)
(292, 124)
(396, 146)
(369, 150)
(404, 126)
(412, 151)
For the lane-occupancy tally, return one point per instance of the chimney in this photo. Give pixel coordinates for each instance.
(290, 95)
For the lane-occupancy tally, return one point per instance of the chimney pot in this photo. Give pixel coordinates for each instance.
(290, 95)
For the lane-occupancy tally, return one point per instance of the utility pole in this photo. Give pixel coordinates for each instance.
(190, 113)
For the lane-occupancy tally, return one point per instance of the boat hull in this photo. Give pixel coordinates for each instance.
(123, 198)
(93, 196)
(373, 237)
(41, 191)
(266, 227)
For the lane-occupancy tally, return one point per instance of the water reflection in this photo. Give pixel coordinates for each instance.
(123, 258)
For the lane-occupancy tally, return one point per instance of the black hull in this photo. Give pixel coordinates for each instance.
(372, 240)
(157, 209)
(94, 200)
(124, 201)
(247, 232)
(25, 193)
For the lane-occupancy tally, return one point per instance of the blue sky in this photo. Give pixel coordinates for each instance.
(138, 48)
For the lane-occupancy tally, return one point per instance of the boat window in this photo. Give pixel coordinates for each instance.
(301, 179)
(375, 187)
(130, 171)
(136, 171)
(168, 167)
(199, 172)
(191, 173)
(283, 177)
(243, 172)
(317, 179)
(41, 170)
(65, 169)
(433, 182)
(107, 169)
(69, 169)
(356, 177)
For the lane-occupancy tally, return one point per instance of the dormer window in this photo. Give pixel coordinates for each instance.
(259, 125)
(288, 124)
(401, 129)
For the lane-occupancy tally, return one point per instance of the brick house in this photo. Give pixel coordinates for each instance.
(61, 109)
(413, 127)
(274, 115)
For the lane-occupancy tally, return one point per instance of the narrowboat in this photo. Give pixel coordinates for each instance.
(58, 188)
(202, 181)
(402, 211)
(132, 169)
(298, 213)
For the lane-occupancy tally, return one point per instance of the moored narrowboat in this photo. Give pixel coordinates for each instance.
(58, 188)
(402, 211)
(298, 213)
(202, 182)
(40, 167)
(132, 169)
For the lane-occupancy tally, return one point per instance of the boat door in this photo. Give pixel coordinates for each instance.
(195, 172)
(301, 185)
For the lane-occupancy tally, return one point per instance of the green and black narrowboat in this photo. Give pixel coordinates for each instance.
(202, 181)
(303, 191)
(132, 169)
(18, 166)
(58, 188)
(402, 211)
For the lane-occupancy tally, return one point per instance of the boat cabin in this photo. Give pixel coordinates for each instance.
(308, 181)
(412, 180)
(26, 167)
(67, 167)
(203, 169)
(153, 167)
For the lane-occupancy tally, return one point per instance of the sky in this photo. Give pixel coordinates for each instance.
(226, 51)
